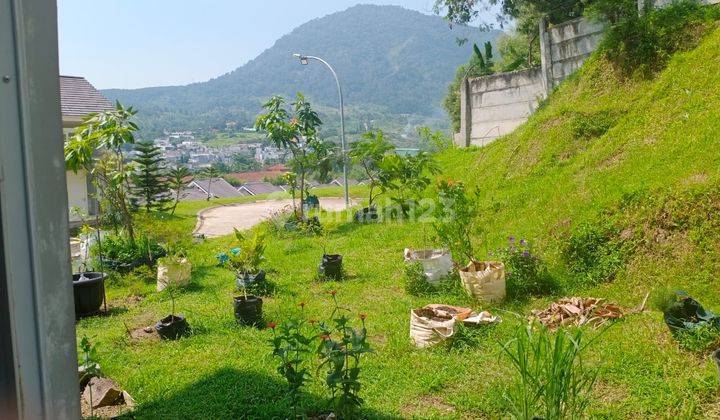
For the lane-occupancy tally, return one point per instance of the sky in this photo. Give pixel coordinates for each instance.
(140, 43)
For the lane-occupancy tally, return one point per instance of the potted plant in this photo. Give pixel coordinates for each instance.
(369, 153)
(172, 326)
(245, 262)
(330, 265)
(88, 285)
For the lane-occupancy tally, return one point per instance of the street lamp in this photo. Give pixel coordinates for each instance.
(304, 61)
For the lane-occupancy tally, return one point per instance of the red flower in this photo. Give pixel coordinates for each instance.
(325, 337)
(363, 316)
(302, 305)
(272, 325)
(333, 292)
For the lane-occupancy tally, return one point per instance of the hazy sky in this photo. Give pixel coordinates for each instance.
(137, 43)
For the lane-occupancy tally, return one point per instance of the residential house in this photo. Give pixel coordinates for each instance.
(219, 188)
(257, 188)
(78, 98)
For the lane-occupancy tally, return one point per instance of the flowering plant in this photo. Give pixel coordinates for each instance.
(341, 349)
(526, 272)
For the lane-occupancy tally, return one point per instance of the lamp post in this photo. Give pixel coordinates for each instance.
(304, 61)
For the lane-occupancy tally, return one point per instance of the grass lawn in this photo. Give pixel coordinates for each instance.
(227, 371)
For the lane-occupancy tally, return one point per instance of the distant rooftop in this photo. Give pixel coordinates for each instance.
(79, 98)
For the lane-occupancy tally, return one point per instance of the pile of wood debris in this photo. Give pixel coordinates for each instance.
(577, 311)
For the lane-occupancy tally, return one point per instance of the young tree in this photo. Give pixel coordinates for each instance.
(406, 178)
(299, 134)
(210, 173)
(178, 178)
(107, 132)
(369, 153)
(150, 182)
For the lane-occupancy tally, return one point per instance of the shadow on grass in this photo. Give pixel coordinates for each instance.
(231, 393)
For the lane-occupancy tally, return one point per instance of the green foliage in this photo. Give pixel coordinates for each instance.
(517, 51)
(292, 343)
(591, 125)
(526, 274)
(406, 178)
(594, 252)
(551, 380)
(108, 132)
(701, 339)
(178, 178)
(150, 183)
(455, 218)
(434, 141)
(416, 283)
(341, 350)
(298, 133)
(122, 254)
(369, 154)
(643, 45)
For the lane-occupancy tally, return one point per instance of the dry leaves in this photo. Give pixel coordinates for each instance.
(577, 311)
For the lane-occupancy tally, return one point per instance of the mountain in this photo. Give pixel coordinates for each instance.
(389, 60)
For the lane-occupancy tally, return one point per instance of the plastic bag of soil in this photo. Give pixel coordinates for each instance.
(685, 314)
(437, 263)
(435, 323)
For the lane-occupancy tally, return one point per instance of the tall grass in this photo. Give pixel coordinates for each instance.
(551, 381)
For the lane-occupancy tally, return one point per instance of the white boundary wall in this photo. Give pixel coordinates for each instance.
(492, 106)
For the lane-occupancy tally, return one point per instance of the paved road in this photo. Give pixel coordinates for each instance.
(219, 221)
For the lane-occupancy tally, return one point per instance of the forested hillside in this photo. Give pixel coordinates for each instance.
(389, 59)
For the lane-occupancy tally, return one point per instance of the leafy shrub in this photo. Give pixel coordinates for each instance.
(594, 252)
(702, 338)
(292, 343)
(644, 44)
(120, 253)
(592, 125)
(526, 274)
(551, 381)
(342, 348)
(455, 218)
(416, 284)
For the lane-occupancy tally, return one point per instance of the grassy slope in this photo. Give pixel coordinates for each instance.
(538, 183)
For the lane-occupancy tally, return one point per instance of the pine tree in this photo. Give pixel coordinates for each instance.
(150, 183)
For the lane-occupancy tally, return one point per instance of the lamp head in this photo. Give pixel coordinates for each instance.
(303, 59)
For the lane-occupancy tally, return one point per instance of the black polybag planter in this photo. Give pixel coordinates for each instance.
(248, 311)
(89, 292)
(172, 327)
(367, 214)
(312, 202)
(331, 266)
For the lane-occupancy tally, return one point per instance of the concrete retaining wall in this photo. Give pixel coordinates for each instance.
(492, 106)
(566, 47)
(501, 102)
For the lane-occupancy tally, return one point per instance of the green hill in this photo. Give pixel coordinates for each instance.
(389, 60)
